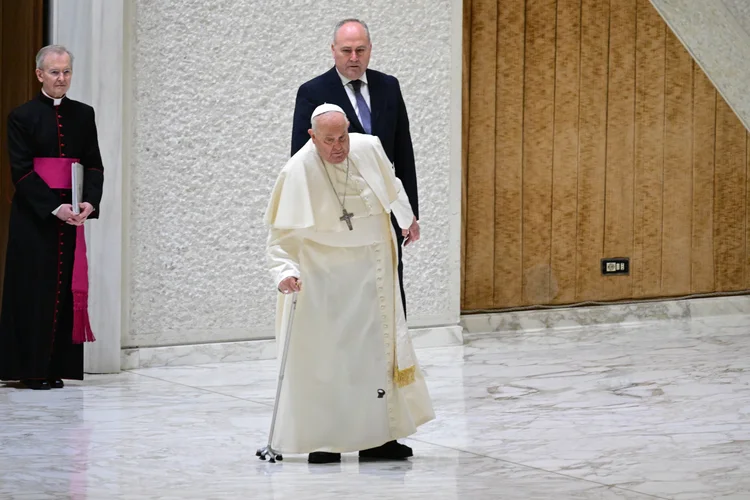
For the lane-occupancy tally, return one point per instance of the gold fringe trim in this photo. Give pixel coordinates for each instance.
(402, 378)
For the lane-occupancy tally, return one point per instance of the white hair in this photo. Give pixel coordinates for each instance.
(315, 119)
(51, 49)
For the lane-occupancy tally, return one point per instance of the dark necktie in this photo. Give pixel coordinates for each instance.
(364, 111)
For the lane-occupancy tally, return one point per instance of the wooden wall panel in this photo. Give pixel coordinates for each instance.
(21, 37)
(747, 211)
(591, 133)
(465, 106)
(649, 150)
(480, 237)
(508, 139)
(729, 204)
(565, 161)
(592, 145)
(704, 145)
(538, 126)
(618, 208)
(678, 176)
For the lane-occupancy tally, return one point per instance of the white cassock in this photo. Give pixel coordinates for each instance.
(352, 381)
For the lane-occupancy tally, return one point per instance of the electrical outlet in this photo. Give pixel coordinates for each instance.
(618, 266)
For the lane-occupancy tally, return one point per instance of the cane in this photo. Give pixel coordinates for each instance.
(268, 451)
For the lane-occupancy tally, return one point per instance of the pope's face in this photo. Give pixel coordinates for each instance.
(331, 138)
(351, 50)
(55, 74)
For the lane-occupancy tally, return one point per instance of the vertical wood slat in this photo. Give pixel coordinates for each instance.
(4, 167)
(704, 143)
(465, 106)
(729, 216)
(592, 145)
(481, 173)
(4, 162)
(649, 151)
(618, 220)
(508, 270)
(746, 282)
(678, 172)
(21, 37)
(565, 161)
(538, 134)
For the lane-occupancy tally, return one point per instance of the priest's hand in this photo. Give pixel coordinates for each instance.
(289, 285)
(65, 213)
(84, 210)
(411, 235)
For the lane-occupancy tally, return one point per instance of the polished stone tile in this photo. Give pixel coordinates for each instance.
(249, 381)
(441, 336)
(659, 408)
(253, 350)
(187, 355)
(652, 410)
(577, 317)
(638, 313)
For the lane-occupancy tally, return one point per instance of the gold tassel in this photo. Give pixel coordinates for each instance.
(402, 378)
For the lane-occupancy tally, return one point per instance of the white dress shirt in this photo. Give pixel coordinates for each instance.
(364, 89)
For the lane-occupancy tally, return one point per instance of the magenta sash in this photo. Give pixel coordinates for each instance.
(56, 172)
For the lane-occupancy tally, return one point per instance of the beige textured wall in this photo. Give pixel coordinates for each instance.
(214, 87)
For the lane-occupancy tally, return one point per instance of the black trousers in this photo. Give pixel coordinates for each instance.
(400, 241)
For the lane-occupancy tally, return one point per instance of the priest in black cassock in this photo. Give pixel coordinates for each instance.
(44, 319)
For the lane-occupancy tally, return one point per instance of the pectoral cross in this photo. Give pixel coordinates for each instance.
(347, 217)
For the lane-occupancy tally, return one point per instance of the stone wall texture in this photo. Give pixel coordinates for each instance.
(214, 86)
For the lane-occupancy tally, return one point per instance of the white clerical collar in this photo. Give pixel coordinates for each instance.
(345, 81)
(57, 101)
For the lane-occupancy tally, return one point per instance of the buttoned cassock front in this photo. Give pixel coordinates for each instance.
(37, 309)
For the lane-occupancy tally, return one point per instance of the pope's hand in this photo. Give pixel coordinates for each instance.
(289, 285)
(412, 234)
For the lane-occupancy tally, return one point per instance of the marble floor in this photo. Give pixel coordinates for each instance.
(659, 410)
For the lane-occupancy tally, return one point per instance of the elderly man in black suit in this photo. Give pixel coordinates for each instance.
(373, 104)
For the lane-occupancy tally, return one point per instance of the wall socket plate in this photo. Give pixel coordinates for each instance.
(616, 266)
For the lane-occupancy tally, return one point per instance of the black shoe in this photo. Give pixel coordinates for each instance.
(56, 383)
(389, 451)
(323, 457)
(36, 385)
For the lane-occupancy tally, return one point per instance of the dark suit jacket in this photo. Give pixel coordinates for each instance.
(390, 122)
